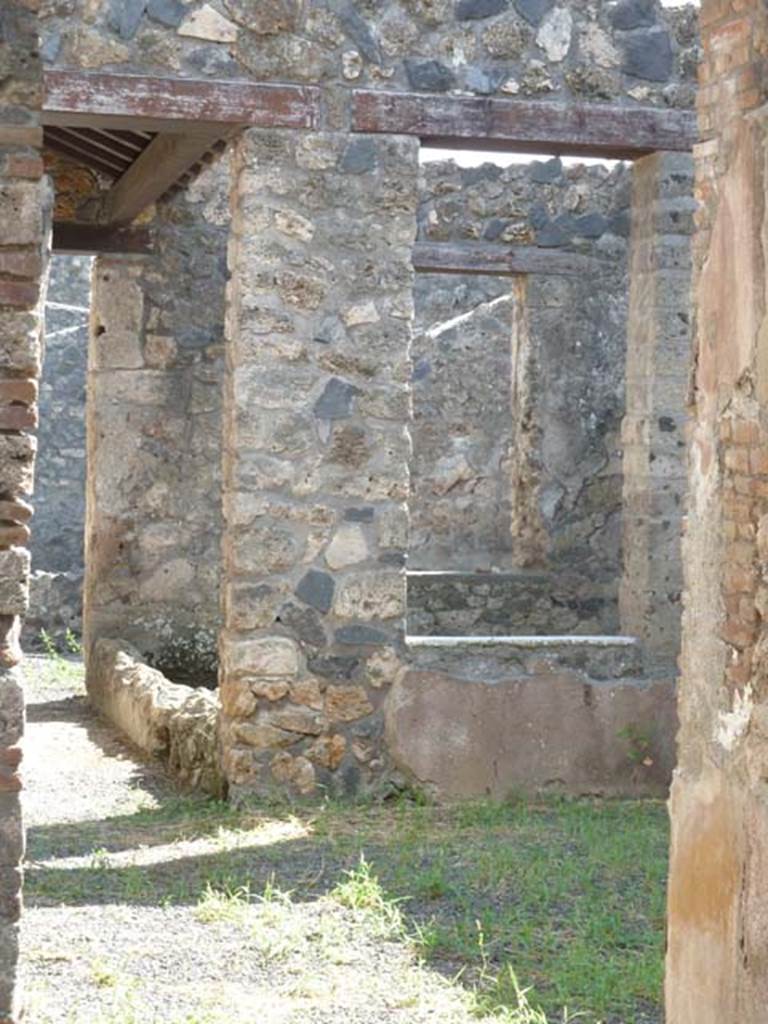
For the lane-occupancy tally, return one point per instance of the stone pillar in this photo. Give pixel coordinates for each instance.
(717, 962)
(153, 523)
(317, 406)
(23, 233)
(658, 366)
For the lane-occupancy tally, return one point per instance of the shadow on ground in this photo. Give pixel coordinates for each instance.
(570, 893)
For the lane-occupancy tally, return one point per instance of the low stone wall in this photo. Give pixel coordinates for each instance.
(465, 719)
(471, 721)
(175, 723)
(502, 604)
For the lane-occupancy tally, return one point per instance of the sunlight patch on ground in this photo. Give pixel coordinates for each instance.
(223, 840)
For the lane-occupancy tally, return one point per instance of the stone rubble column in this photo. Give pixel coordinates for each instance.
(316, 454)
(24, 204)
(653, 431)
(155, 367)
(717, 960)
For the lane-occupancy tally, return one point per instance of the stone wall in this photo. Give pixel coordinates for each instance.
(177, 724)
(154, 437)
(57, 539)
(519, 385)
(718, 892)
(630, 51)
(316, 456)
(24, 219)
(492, 719)
(462, 384)
(522, 603)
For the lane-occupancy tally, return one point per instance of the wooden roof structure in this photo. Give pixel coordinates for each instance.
(150, 136)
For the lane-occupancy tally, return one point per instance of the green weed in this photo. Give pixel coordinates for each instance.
(225, 904)
(361, 890)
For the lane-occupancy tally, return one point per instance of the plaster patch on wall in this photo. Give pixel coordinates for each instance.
(734, 724)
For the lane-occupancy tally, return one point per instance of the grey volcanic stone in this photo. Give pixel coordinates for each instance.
(334, 666)
(305, 625)
(649, 55)
(621, 224)
(397, 558)
(125, 17)
(356, 633)
(493, 229)
(429, 75)
(331, 331)
(211, 60)
(359, 31)
(485, 172)
(538, 216)
(592, 225)
(629, 14)
(484, 82)
(166, 12)
(50, 46)
(545, 172)
(359, 157)
(359, 515)
(470, 10)
(534, 10)
(551, 236)
(335, 403)
(421, 369)
(316, 588)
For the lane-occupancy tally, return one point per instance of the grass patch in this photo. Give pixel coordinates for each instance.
(536, 905)
(360, 889)
(227, 904)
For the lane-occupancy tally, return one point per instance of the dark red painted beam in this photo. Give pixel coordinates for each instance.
(525, 126)
(107, 100)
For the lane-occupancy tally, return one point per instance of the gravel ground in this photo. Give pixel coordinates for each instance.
(270, 959)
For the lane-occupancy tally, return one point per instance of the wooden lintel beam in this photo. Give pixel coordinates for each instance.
(95, 239)
(525, 126)
(161, 164)
(107, 100)
(498, 260)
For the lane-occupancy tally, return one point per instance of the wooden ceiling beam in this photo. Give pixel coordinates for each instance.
(87, 150)
(166, 159)
(525, 126)
(62, 147)
(95, 239)
(144, 103)
(498, 260)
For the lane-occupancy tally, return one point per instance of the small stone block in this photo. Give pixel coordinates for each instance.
(358, 634)
(19, 294)
(23, 263)
(14, 536)
(17, 453)
(11, 693)
(166, 12)
(429, 75)
(21, 135)
(18, 417)
(336, 401)
(24, 391)
(473, 10)
(11, 830)
(316, 589)
(15, 511)
(14, 576)
(19, 342)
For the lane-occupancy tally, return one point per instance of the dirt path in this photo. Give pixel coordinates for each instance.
(135, 913)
